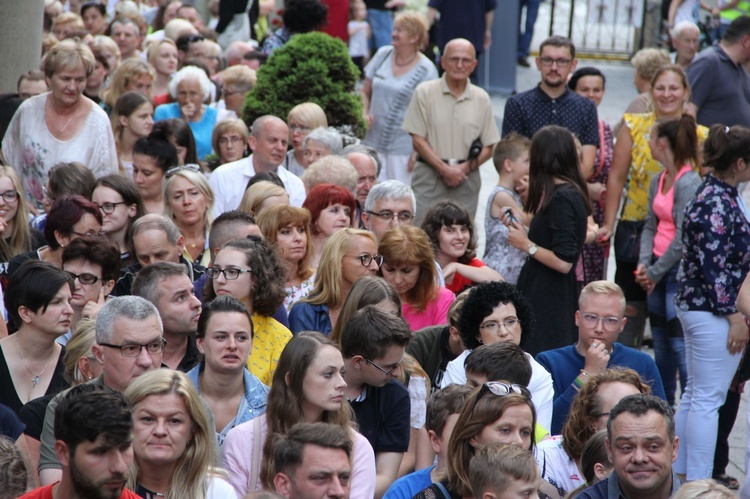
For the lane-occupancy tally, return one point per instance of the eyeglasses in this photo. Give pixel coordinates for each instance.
(109, 208)
(608, 323)
(84, 278)
(299, 128)
(9, 196)
(509, 324)
(134, 350)
(548, 61)
(387, 373)
(233, 139)
(500, 389)
(403, 216)
(189, 167)
(230, 274)
(365, 260)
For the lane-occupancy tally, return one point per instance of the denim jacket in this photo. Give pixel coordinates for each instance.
(252, 405)
(308, 317)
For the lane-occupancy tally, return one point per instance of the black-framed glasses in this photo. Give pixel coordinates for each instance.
(387, 215)
(383, 370)
(365, 260)
(608, 323)
(134, 349)
(509, 323)
(109, 208)
(189, 167)
(84, 278)
(230, 274)
(549, 61)
(9, 196)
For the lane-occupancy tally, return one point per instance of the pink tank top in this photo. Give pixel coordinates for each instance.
(663, 206)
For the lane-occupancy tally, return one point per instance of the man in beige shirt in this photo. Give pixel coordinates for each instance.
(444, 118)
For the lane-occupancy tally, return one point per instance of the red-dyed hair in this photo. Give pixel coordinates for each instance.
(324, 195)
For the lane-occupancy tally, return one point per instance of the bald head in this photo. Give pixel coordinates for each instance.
(269, 142)
(461, 44)
(459, 60)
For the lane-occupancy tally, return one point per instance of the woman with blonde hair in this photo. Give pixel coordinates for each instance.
(229, 141)
(173, 445)
(302, 119)
(162, 55)
(560, 458)
(409, 265)
(132, 118)
(706, 488)
(307, 386)
(189, 201)
(287, 228)
(348, 255)
(391, 77)
(236, 82)
(132, 75)
(262, 195)
(109, 49)
(16, 234)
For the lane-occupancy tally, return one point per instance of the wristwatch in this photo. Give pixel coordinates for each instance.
(533, 249)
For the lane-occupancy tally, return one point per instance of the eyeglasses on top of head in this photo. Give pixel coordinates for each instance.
(189, 167)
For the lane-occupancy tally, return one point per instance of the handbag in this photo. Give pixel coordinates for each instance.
(628, 240)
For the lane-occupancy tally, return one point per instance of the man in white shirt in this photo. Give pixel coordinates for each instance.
(268, 141)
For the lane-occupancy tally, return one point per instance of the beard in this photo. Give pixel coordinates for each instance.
(84, 487)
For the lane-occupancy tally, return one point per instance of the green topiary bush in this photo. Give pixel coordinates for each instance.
(311, 67)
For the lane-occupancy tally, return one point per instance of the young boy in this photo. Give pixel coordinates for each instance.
(503, 471)
(373, 343)
(511, 159)
(442, 412)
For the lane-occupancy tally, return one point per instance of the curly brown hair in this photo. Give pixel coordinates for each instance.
(584, 410)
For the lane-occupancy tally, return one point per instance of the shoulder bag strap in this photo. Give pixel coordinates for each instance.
(256, 464)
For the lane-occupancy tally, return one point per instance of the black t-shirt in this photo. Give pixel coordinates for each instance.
(383, 417)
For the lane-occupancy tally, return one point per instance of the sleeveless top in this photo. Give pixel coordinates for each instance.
(498, 253)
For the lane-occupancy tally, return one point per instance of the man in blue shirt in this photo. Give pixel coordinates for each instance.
(600, 319)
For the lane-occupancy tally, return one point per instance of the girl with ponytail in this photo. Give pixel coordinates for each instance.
(674, 144)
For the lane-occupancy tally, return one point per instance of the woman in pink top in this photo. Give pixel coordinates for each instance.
(409, 264)
(674, 144)
(307, 387)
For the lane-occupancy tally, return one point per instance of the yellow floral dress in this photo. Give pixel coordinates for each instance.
(643, 166)
(269, 339)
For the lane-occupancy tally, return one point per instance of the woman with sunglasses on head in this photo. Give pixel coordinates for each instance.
(249, 270)
(347, 255)
(190, 204)
(121, 204)
(496, 412)
(308, 386)
(559, 458)
(153, 155)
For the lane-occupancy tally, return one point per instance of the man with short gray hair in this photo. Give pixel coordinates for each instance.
(685, 37)
(129, 343)
(268, 141)
(388, 204)
(365, 161)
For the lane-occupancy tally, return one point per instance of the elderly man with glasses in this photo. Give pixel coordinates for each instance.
(600, 319)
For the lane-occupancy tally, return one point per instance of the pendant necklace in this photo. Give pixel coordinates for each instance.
(35, 380)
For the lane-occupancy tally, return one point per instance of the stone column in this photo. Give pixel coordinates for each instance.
(20, 39)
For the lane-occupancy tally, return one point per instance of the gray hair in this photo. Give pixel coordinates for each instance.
(153, 221)
(329, 137)
(682, 26)
(148, 280)
(390, 189)
(363, 149)
(331, 170)
(133, 308)
(124, 21)
(187, 73)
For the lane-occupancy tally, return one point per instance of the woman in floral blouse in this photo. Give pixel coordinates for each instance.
(715, 260)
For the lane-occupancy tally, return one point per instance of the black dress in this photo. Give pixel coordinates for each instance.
(561, 228)
(8, 394)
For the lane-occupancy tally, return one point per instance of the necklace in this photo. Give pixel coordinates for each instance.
(395, 60)
(35, 379)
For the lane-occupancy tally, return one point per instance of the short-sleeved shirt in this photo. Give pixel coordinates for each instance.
(460, 282)
(720, 89)
(46, 492)
(462, 19)
(269, 340)
(527, 112)
(384, 417)
(448, 123)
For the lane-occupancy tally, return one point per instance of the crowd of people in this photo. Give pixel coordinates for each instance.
(196, 305)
